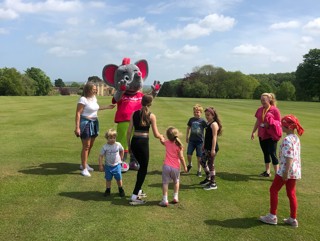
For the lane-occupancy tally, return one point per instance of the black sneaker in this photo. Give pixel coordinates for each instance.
(107, 192)
(189, 167)
(121, 193)
(210, 186)
(265, 174)
(205, 182)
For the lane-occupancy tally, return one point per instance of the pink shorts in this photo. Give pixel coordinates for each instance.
(170, 173)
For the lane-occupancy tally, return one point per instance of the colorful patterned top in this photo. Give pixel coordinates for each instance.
(290, 147)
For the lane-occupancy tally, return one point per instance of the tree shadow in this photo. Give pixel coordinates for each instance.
(241, 223)
(59, 168)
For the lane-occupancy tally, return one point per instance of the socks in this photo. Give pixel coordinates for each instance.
(165, 198)
(175, 196)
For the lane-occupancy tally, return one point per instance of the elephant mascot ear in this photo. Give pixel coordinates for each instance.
(143, 66)
(108, 74)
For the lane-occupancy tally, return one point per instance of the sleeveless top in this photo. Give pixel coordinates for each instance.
(136, 122)
(208, 139)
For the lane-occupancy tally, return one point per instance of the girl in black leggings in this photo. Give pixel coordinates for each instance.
(140, 123)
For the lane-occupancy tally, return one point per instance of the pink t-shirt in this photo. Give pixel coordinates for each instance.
(262, 130)
(172, 154)
(126, 106)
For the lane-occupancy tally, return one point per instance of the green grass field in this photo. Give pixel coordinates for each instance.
(44, 197)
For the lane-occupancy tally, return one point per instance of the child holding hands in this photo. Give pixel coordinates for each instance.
(288, 173)
(171, 165)
(112, 152)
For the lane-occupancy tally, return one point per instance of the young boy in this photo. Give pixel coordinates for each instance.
(113, 153)
(194, 136)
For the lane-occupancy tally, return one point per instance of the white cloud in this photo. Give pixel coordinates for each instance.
(280, 59)
(204, 27)
(3, 31)
(185, 51)
(46, 6)
(8, 14)
(285, 25)
(249, 49)
(132, 23)
(313, 26)
(65, 52)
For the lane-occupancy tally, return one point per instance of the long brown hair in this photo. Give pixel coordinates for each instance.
(145, 112)
(215, 118)
(87, 89)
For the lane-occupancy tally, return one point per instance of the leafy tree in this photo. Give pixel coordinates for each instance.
(195, 90)
(11, 82)
(43, 83)
(75, 84)
(59, 83)
(264, 87)
(286, 91)
(308, 76)
(95, 79)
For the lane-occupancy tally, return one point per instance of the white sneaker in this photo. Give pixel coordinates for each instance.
(137, 202)
(85, 173)
(291, 221)
(141, 194)
(90, 169)
(269, 219)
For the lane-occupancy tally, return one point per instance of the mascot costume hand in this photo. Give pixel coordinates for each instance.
(127, 79)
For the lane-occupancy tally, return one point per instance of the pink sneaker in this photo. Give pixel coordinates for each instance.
(291, 221)
(163, 204)
(269, 219)
(175, 201)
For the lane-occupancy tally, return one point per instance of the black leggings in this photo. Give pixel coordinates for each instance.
(269, 149)
(140, 150)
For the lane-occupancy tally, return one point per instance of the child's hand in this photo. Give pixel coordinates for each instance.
(185, 169)
(101, 169)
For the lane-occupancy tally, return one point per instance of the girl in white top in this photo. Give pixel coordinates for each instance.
(87, 124)
(288, 173)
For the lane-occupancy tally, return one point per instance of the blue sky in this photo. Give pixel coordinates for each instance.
(75, 39)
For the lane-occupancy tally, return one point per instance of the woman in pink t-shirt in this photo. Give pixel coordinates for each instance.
(269, 131)
(171, 165)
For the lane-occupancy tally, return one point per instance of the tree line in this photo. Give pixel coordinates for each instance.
(214, 82)
(206, 81)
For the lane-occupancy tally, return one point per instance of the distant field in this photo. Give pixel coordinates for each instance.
(43, 196)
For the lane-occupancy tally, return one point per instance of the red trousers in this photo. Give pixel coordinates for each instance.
(277, 184)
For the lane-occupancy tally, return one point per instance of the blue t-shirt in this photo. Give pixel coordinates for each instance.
(197, 126)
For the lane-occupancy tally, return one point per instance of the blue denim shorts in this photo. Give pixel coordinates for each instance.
(195, 145)
(113, 171)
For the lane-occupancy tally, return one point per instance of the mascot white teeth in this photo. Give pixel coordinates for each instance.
(127, 79)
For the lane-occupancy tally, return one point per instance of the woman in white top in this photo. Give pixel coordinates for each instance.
(87, 124)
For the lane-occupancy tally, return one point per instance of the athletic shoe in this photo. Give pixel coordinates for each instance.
(137, 202)
(175, 201)
(210, 186)
(90, 169)
(121, 193)
(199, 174)
(204, 182)
(141, 194)
(107, 193)
(163, 204)
(85, 173)
(265, 174)
(269, 219)
(189, 167)
(291, 221)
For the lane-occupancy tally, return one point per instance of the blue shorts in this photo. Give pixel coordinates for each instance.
(195, 145)
(114, 171)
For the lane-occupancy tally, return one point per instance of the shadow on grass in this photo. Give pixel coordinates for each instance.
(182, 186)
(114, 198)
(58, 168)
(243, 223)
(241, 177)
